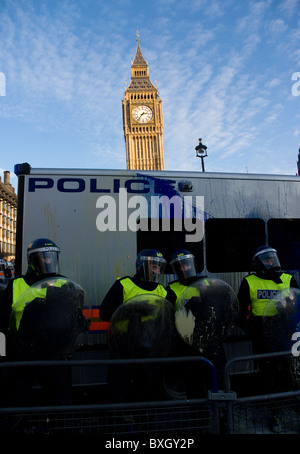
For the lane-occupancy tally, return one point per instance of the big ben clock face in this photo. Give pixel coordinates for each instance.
(142, 114)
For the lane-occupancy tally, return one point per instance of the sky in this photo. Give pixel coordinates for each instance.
(227, 71)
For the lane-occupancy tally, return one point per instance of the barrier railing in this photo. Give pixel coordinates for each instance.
(254, 413)
(220, 411)
(185, 416)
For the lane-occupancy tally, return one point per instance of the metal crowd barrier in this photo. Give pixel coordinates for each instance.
(227, 411)
(252, 414)
(160, 418)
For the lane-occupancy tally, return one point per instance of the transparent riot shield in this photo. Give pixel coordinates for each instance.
(281, 319)
(206, 313)
(142, 327)
(49, 318)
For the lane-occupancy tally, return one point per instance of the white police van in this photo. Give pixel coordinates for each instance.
(101, 219)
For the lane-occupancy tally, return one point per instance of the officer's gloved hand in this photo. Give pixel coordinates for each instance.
(287, 305)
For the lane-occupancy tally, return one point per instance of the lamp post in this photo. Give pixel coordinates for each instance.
(201, 152)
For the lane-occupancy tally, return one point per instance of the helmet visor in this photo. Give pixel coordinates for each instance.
(46, 262)
(152, 269)
(267, 260)
(184, 266)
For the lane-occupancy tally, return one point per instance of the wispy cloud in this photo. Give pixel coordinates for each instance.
(223, 71)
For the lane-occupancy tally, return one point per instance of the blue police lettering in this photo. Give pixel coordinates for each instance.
(40, 183)
(267, 294)
(94, 185)
(63, 185)
(129, 186)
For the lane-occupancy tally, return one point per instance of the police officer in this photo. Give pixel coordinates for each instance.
(255, 291)
(43, 262)
(150, 266)
(184, 266)
(197, 380)
(139, 383)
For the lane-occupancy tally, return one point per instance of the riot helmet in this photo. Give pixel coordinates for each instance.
(150, 265)
(183, 264)
(43, 257)
(266, 260)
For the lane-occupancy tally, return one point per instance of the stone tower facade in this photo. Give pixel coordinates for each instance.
(142, 119)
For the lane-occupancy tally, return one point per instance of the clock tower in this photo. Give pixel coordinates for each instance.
(142, 119)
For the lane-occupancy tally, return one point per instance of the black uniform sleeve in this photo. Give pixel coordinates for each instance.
(171, 295)
(111, 302)
(244, 304)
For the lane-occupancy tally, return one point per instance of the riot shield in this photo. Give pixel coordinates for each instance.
(281, 319)
(49, 318)
(206, 313)
(142, 327)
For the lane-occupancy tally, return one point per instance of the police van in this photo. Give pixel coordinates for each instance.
(101, 219)
(2, 267)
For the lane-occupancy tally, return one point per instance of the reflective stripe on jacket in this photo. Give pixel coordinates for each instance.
(264, 290)
(130, 289)
(19, 288)
(179, 288)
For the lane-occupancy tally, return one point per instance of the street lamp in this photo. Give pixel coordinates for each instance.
(201, 152)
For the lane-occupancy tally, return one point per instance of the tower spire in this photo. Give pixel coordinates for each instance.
(140, 79)
(139, 59)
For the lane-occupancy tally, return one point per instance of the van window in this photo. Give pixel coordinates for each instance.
(230, 243)
(167, 242)
(284, 236)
